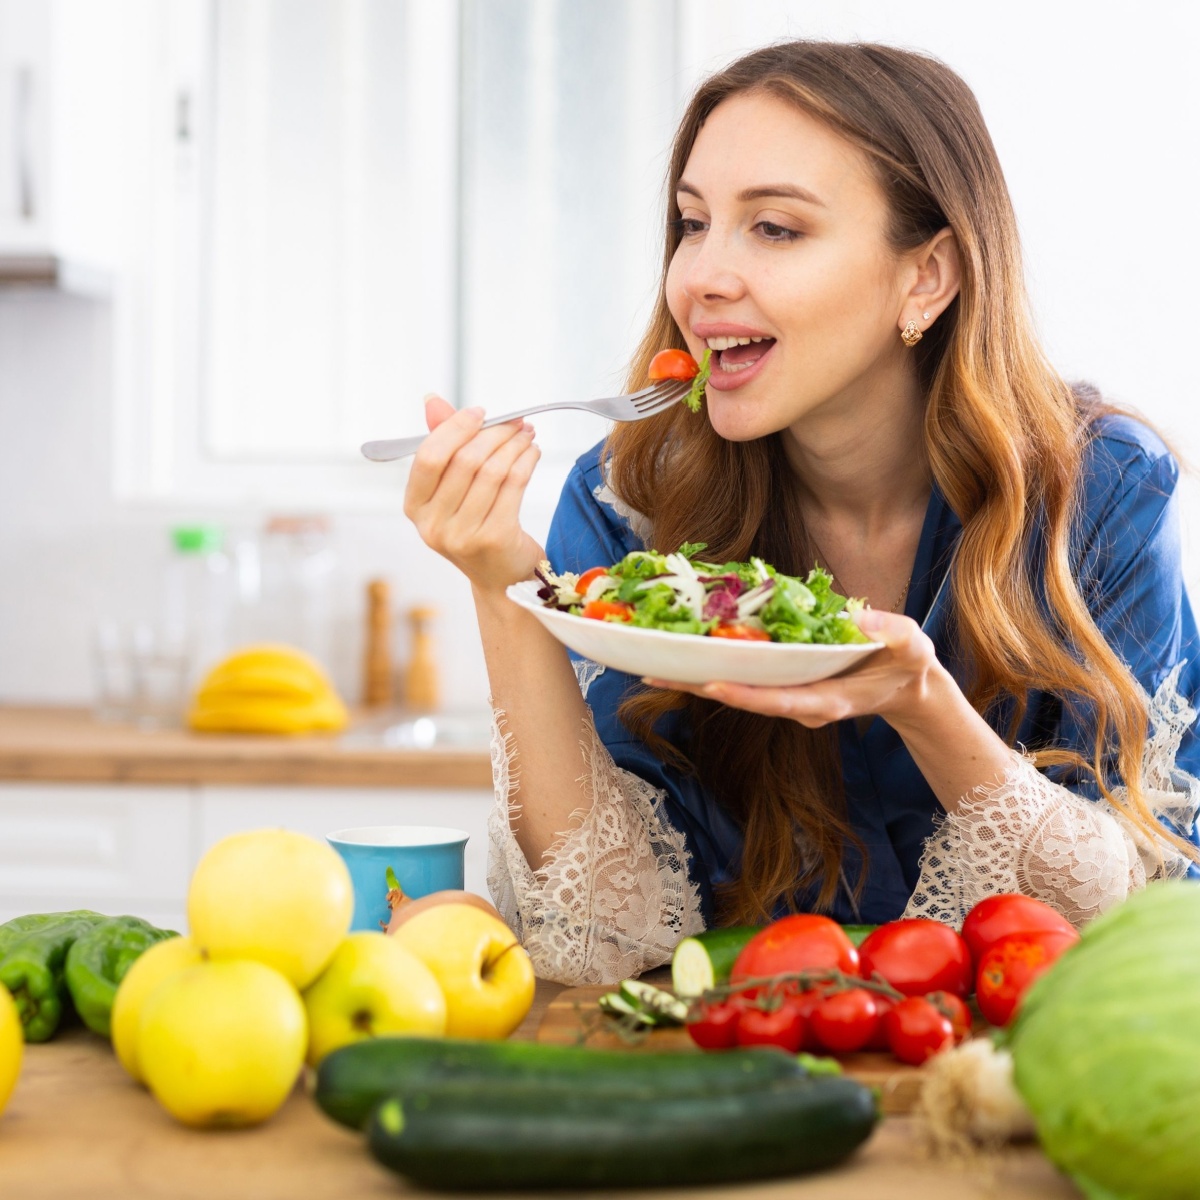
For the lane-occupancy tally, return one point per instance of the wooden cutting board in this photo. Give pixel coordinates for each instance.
(573, 1019)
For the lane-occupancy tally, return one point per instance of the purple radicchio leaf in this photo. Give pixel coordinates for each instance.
(722, 604)
(732, 582)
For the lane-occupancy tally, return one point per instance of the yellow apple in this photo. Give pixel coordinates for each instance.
(273, 895)
(373, 987)
(485, 973)
(157, 964)
(12, 1045)
(222, 1043)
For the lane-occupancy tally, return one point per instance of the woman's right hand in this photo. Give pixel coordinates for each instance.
(464, 494)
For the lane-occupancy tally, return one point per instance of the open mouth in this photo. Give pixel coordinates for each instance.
(733, 354)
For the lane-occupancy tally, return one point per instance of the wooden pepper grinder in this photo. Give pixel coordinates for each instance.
(421, 679)
(377, 664)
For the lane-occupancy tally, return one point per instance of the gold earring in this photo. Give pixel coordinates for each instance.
(910, 334)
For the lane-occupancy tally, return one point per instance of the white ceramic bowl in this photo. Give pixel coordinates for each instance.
(686, 657)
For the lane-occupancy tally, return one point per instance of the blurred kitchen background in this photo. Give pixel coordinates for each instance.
(240, 237)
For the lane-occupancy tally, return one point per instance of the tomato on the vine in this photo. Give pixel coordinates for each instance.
(916, 1030)
(800, 942)
(1011, 965)
(998, 916)
(917, 956)
(954, 1009)
(782, 1026)
(879, 1039)
(741, 633)
(844, 1021)
(716, 1026)
(608, 610)
(588, 578)
(673, 364)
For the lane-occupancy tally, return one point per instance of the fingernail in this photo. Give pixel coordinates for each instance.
(870, 620)
(475, 410)
(429, 396)
(712, 689)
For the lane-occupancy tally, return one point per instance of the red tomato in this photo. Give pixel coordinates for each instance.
(845, 1021)
(917, 1031)
(998, 916)
(716, 1027)
(801, 942)
(673, 364)
(588, 577)
(1011, 965)
(954, 1009)
(917, 956)
(879, 1039)
(741, 633)
(608, 610)
(782, 1026)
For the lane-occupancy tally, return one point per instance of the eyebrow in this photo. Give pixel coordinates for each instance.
(765, 192)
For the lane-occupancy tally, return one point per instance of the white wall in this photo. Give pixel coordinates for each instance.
(1095, 110)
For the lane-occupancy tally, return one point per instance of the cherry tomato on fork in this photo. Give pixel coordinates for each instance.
(673, 364)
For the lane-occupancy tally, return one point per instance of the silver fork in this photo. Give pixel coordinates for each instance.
(633, 407)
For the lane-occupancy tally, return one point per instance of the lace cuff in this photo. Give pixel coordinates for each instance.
(1027, 834)
(613, 896)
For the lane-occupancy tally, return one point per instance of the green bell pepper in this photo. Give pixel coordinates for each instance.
(99, 960)
(33, 952)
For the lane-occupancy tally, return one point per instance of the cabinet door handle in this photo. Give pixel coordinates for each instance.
(23, 140)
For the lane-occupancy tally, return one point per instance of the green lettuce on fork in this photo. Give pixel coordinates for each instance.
(681, 593)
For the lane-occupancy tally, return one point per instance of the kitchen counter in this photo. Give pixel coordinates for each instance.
(68, 745)
(78, 1126)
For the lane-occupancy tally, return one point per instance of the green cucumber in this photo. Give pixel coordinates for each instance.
(496, 1138)
(705, 959)
(352, 1080)
(859, 933)
(652, 1004)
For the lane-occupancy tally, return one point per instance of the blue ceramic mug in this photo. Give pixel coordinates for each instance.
(426, 858)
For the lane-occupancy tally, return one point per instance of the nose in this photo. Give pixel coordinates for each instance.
(710, 268)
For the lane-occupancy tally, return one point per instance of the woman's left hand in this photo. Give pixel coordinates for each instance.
(891, 683)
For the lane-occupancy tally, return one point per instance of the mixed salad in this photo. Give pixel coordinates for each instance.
(680, 593)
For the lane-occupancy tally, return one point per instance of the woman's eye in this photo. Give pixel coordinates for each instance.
(776, 233)
(686, 226)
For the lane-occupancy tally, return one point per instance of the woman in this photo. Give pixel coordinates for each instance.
(841, 237)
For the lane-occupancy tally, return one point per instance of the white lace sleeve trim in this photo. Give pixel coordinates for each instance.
(613, 896)
(1027, 834)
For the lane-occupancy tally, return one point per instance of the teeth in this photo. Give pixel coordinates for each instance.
(724, 343)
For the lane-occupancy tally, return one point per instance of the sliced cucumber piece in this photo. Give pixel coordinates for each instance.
(619, 1006)
(705, 959)
(654, 1002)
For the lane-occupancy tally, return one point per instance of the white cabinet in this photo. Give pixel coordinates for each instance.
(132, 849)
(115, 849)
(318, 811)
(24, 127)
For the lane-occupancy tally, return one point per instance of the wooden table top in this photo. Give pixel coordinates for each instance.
(77, 1126)
(67, 745)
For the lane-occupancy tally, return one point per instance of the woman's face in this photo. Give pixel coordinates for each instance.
(783, 240)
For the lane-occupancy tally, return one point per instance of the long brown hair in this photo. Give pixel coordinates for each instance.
(1004, 436)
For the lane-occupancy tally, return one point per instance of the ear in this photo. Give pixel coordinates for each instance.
(936, 275)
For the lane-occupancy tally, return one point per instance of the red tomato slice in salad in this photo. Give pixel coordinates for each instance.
(741, 633)
(588, 578)
(608, 610)
(673, 364)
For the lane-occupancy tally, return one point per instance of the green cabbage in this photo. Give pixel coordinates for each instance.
(1106, 1050)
